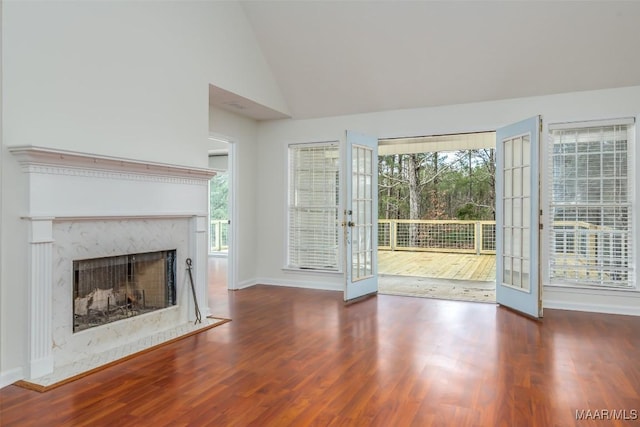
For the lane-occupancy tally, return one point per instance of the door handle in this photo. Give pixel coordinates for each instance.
(351, 224)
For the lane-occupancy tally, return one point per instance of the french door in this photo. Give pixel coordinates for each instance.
(360, 217)
(517, 217)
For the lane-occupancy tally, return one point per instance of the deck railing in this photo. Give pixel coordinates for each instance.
(590, 253)
(477, 237)
(218, 230)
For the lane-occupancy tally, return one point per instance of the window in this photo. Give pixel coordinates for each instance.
(591, 205)
(313, 241)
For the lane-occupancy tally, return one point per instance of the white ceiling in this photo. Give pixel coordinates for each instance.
(342, 57)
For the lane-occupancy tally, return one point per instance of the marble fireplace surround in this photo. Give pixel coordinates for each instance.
(87, 206)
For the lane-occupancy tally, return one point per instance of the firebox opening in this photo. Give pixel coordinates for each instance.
(109, 289)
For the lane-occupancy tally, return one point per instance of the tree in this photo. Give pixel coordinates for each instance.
(219, 196)
(437, 185)
(414, 167)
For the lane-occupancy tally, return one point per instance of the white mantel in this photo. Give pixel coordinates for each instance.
(70, 184)
(85, 205)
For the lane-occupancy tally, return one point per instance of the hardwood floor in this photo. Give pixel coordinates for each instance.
(301, 357)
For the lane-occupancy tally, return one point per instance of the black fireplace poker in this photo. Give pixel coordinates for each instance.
(193, 291)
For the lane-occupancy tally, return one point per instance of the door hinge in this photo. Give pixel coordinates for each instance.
(541, 226)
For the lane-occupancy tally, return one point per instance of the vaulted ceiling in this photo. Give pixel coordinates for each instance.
(342, 57)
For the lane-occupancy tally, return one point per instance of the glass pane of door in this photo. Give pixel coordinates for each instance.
(362, 199)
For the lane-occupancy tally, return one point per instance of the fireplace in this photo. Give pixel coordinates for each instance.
(93, 215)
(113, 288)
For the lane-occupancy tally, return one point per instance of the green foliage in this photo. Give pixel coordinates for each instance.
(451, 185)
(470, 211)
(219, 196)
(467, 211)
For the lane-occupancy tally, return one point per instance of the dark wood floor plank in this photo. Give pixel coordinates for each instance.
(302, 358)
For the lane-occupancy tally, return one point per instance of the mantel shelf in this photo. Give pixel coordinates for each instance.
(30, 155)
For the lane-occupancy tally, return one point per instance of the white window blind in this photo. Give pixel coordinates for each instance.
(313, 206)
(591, 242)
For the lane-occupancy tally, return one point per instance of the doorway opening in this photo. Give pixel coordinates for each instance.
(436, 216)
(221, 265)
(219, 204)
(219, 219)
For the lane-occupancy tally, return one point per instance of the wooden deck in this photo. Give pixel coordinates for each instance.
(438, 265)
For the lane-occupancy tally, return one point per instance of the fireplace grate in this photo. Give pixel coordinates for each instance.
(113, 288)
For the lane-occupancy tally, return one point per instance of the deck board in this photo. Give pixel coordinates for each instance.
(438, 265)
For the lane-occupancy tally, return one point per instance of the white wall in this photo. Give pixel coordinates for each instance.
(13, 252)
(128, 79)
(274, 137)
(219, 161)
(3, 326)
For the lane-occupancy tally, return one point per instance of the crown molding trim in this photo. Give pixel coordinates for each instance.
(34, 159)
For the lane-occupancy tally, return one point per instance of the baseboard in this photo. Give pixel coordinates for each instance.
(247, 284)
(593, 308)
(324, 286)
(10, 377)
(290, 283)
(592, 300)
(559, 304)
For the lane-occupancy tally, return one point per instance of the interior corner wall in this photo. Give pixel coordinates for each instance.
(126, 79)
(3, 327)
(2, 333)
(275, 137)
(243, 132)
(13, 241)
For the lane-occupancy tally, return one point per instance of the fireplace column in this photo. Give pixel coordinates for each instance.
(200, 251)
(40, 297)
